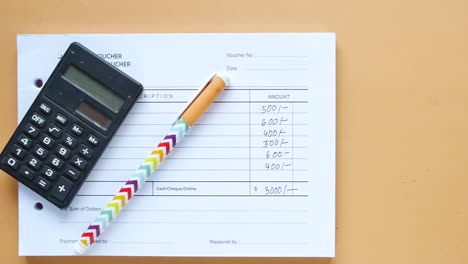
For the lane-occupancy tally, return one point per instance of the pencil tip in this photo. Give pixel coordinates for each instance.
(79, 248)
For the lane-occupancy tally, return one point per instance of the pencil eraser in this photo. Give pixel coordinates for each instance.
(225, 77)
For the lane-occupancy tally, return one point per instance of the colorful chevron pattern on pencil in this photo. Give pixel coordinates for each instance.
(134, 183)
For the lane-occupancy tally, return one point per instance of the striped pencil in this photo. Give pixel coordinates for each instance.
(189, 116)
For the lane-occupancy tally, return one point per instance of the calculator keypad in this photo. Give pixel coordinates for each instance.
(52, 152)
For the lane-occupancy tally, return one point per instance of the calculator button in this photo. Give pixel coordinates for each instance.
(85, 151)
(47, 141)
(78, 162)
(61, 119)
(43, 183)
(56, 162)
(63, 151)
(38, 120)
(31, 130)
(77, 129)
(24, 141)
(33, 162)
(62, 188)
(26, 172)
(18, 152)
(46, 109)
(10, 161)
(69, 141)
(93, 139)
(72, 172)
(49, 172)
(40, 152)
(54, 130)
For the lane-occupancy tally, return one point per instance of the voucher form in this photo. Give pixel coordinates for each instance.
(254, 177)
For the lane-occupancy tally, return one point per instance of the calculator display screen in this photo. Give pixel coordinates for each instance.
(93, 88)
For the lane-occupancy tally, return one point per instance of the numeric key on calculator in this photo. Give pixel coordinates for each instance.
(12, 162)
(63, 151)
(31, 130)
(47, 141)
(18, 152)
(40, 151)
(24, 141)
(49, 172)
(56, 162)
(33, 162)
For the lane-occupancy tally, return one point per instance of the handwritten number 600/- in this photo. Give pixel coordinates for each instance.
(274, 154)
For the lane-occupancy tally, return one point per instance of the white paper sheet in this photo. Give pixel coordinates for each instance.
(255, 176)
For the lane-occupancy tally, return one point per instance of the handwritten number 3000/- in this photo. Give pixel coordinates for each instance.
(274, 190)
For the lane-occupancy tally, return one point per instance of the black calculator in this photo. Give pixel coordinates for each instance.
(69, 125)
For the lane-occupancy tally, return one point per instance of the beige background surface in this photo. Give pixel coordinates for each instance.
(402, 86)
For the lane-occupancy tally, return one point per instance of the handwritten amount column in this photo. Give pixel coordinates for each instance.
(271, 143)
